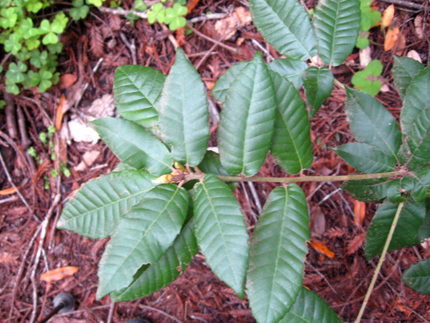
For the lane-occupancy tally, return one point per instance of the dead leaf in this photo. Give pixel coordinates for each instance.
(392, 35)
(388, 16)
(227, 27)
(359, 211)
(58, 274)
(80, 132)
(414, 54)
(335, 233)
(7, 191)
(67, 80)
(401, 45)
(97, 43)
(87, 160)
(385, 88)
(356, 243)
(322, 248)
(318, 222)
(365, 57)
(60, 113)
(418, 23)
(210, 85)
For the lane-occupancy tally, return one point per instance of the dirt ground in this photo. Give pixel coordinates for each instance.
(197, 295)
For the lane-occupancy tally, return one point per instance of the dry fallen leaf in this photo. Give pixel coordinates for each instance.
(321, 247)
(414, 54)
(365, 57)
(87, 160)
(318, 222)
(7, 191)
(392, 35)
(67, 80)
(58, 274)
(388, 16)
(227, 27)
(359, 211)
(356, 243)
(401, 45)
(60, 113)
(418, 23)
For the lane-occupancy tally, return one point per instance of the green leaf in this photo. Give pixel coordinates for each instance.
(406, 233)
(367, 190)
(247, 119)
(309, 307)
(416, 100)
(292, 69)
(137, 91)
(362, 43)
(211, 164)
(50, 38)
(397, 189)
(79, 12)
(404, 70)
(223, 84)
(365, 158)
(142, 237)
(285, 26)
(134, 145)
(291, 142)
(422, 185)
(149, 280)
(97, 207)
(371, 123)
(417, 277)
(318, 86)
(177, 22)
(336, 23)
(184, 114)
(221, 231)
(45, 27)
(277, 254)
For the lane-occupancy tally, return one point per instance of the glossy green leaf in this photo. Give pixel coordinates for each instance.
(291, 142)
(142, 237)
(371, 123)
(397, 189)
(223, 84)
(318, 87)
(293, 70)
(277, 253)
(285, 26)
(404, 70)
(98, 206)
(406, 233)
(422, 185)
(134, 145)
(137, 91)
(365, 158)
(368, 190)
(150, 279)
(221, 231)
(211, 164)
(417, 99)
(184, 114)
(417, 277)
(336, 23)
(246, 120)
(309, 307)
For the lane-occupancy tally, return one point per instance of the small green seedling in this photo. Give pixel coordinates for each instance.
(174, 17)
(369, 18)
(368, 80)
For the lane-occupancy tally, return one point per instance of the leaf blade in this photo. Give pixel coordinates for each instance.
(277, 252)
(134, 145)
(292, 69)
(291, 142)
(142, 237)
(246, 120)
(221, 87)
(287, 28)
(336, 23)
(98, 206)
(417, 276)
(137, 91)
(404, 70)
(318, 84)
(184, 114)
(221, 231)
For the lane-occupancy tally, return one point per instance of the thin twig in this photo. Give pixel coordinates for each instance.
(10, 115)
(270, 58)
(111, 311)
(9, 178)
(159, 311)
(44, 225)
(131, 47)
(233, 50)
(21, 269)
(407, 4)
(381, 260)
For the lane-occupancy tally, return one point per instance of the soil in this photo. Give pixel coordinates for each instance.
(197, 295)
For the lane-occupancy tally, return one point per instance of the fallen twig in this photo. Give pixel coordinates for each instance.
(159, 311)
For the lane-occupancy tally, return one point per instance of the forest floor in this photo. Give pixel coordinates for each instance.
(337, 220)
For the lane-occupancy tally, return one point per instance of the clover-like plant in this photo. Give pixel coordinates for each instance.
(368, 80)
(169, 197)
(173, 16)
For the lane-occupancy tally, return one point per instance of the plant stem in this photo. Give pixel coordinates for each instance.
(381, 260)
(286, 180)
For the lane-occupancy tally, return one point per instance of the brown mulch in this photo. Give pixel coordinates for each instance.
(197, 295)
